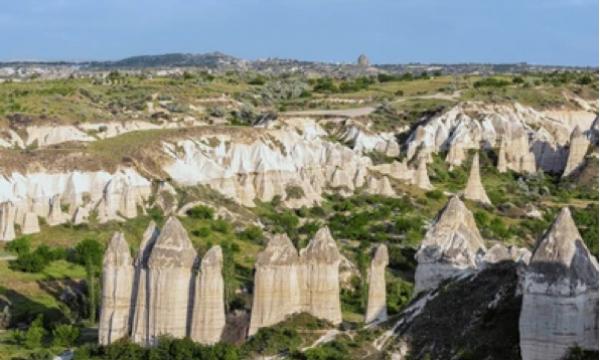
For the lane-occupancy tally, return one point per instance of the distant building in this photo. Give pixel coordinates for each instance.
(363, 60)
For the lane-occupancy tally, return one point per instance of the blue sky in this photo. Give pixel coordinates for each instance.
(561, 32)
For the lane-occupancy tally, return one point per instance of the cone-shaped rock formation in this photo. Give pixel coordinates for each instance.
(451, 246)
(577, 150)
(117, 281)
(139, 326)
(475, 190)
(560, 294)
(320, 284)
(7, 221)
(170, 278)
(208, 319)
(376, 306)
(286, 283)
(276, 283)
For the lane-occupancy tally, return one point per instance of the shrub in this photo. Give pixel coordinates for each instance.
(65, 335)
(201, 232)
(435, 194)
(29, 262)
(20, 245)
(35, 334)
(294, 192)
(491, 82)
(253, 234)
(221, 226)
(201, 212)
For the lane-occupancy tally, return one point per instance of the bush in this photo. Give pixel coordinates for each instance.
(20, 245)
(201, 232)
(435, 194)
(65, 335)
(221, 226)
(253, 234)
(89, 252)
(201, 212)
(35, 334)
(29, 262)
(294, 192)
(491, 82)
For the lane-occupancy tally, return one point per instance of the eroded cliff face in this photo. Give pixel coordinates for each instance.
(452, 246)
(532, 139)
(114, 196)
(117, 283)
(560, 294)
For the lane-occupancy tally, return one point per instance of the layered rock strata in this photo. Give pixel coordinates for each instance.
(560, 295)
(117, 282)
(474, 189)
(452, 246)
(376, 305)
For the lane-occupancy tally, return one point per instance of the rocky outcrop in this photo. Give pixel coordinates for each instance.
(112, 195)
(560, 294)
(286, 283)
(30, 224)
(376, 305)
(421, 176)
(141, 295)
(7, 221)
(319, 277)
(474, 189)
(473, 125)
(56, 215)
(577, 150)
(117, 281)
(501, 165)
(276, 283)
(170, 279)
(380, 186)
(499, 253)
(452, 246)
(208, 316)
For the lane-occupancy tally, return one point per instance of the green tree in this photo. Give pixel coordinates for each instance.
(89, 253)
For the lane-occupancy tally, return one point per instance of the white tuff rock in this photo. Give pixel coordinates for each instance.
(577, 150)
(560, 295)
(117, 280)
(452, 246)
(170, 268)
(474, 189)
(141, 294)
(276, 284)
(208, 316)
(7, 221)
(376, 306)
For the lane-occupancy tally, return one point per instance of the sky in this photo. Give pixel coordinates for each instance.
(552, 32)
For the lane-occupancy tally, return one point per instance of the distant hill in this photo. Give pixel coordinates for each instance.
(208, 60)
